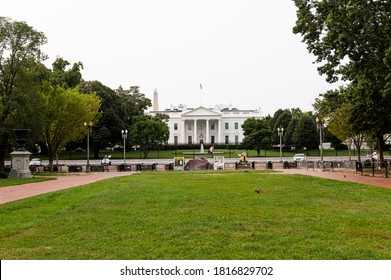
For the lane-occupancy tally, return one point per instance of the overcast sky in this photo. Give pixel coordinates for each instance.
(243, 52)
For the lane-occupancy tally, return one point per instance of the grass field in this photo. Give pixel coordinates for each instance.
(13, 182)
(201, 215)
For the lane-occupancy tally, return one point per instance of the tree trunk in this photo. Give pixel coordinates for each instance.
(350, 149)
(358, 148)
(380, 146)
(51, 159)
(2, 157)
(96, 152)
(3, 150)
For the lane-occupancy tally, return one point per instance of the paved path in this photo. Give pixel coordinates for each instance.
(343, 176)
(62, 182)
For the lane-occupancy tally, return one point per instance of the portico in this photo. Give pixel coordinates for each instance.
(200, 126)
(200, 130)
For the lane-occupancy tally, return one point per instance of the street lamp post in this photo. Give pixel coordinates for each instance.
(124, 136)
(280, 132)
(89, 129)
(320, 126)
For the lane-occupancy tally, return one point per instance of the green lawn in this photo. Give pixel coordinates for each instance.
(201, 215)
(13, 182)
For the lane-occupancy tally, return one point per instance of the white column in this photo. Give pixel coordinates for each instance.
(219, 136)
(207, 140)
(183, 138)
(195, 131)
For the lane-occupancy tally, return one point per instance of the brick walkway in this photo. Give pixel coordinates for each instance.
(62, 182)
(343, 176)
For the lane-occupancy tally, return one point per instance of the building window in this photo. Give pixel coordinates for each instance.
(236, 139)
(175, 126)
(226, 139)
(212, 126)
(226, 125)
(175, 140)
(236, 125)
(189, 127)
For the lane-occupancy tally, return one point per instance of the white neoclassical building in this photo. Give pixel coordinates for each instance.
(207, 125)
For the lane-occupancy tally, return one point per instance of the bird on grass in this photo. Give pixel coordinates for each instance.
(258, 190)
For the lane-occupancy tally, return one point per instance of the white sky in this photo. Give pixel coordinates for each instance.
(243, 52)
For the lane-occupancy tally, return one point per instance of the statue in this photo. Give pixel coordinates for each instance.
(242, 157)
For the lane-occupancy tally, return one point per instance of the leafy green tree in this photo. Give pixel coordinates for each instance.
(20, 48)
(257, 134)
(289, 131)
(108, 129)
(352, 41)
(305, 134)
(283, 119)
(65, 112)
(335, 142)
(149, 133)
(287, 119)
(134, 103)
(67, 78)
(337, 107)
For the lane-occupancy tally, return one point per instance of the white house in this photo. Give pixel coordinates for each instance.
(207, 125)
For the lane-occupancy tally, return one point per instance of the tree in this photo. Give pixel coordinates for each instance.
(282, 119)
(67, 78)
(340, 126)
(335, 142)
(257, 134)
(305, 134)
(149, 132)
(337, 107)
(290, 130)
(108, 129)
(66, 111)
(352, 41)
(134, 103)
(287, 119)
(19, 48)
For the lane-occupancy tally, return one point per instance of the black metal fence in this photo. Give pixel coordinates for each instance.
(375, 169)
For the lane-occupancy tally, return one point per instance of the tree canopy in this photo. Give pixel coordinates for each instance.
(351, 40)
(149, 132)
(20, 52)
(257, 134)
(65, 113)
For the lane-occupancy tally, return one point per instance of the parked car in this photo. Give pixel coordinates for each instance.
(35, 162)
(299, 157)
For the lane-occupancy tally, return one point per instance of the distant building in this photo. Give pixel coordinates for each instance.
(220, 124)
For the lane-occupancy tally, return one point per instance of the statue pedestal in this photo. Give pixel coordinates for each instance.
(20, 165)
